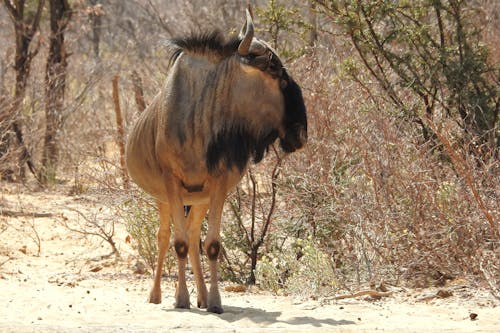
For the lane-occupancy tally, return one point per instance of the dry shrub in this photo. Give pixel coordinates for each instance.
(302, 268)
(379, 200)
(141, 219)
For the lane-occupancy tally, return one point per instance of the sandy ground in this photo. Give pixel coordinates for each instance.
(69, 287)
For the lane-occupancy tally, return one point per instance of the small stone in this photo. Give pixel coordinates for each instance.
(236, 288)
(96, 269)
(443, 293)
(473, 316)
(139, 267)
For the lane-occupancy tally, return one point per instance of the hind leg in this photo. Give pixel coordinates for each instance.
(195, 218)
(163, 240)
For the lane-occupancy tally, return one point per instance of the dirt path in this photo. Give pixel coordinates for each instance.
(69, 288)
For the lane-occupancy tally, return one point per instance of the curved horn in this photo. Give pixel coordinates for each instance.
(244, 47)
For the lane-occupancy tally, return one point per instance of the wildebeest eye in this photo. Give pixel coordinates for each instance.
(259, 61)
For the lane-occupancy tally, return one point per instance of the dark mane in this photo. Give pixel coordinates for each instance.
(234, 147)
(208, 43)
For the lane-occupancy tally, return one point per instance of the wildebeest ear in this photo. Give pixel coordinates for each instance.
(246, 34)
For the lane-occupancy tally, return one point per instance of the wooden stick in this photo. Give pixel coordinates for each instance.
(372, 293)
(138, 91)
(11, 213)
(121, 132)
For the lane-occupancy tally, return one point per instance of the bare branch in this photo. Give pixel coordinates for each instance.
(36, 20)
(11, 9)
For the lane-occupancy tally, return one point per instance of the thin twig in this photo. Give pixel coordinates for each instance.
(4, 262)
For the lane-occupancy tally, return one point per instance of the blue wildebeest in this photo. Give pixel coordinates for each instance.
(223, 103)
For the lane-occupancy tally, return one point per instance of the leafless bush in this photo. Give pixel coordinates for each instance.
(35, 236)
(96, 225)
(250, 215)
(30, 232)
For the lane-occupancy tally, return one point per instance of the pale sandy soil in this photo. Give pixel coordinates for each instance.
(58, 291)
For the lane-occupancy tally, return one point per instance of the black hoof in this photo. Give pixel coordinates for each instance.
(215, 309)
(182, 306)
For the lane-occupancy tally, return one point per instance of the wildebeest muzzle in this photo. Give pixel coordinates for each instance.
(295, 119)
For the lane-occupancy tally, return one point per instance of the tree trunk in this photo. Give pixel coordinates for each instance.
(25, 27)
(55, 84)
(253, 265)
(22, 66)
(4, 123)
(313, 32)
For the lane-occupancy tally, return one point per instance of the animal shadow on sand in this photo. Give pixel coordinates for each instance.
(234, 313)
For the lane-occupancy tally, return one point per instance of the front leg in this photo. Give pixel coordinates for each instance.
(181, 241)
(195, 219)
(213, 245)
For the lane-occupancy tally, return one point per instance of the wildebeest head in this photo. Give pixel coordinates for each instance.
(258, 54)
(245, 77)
